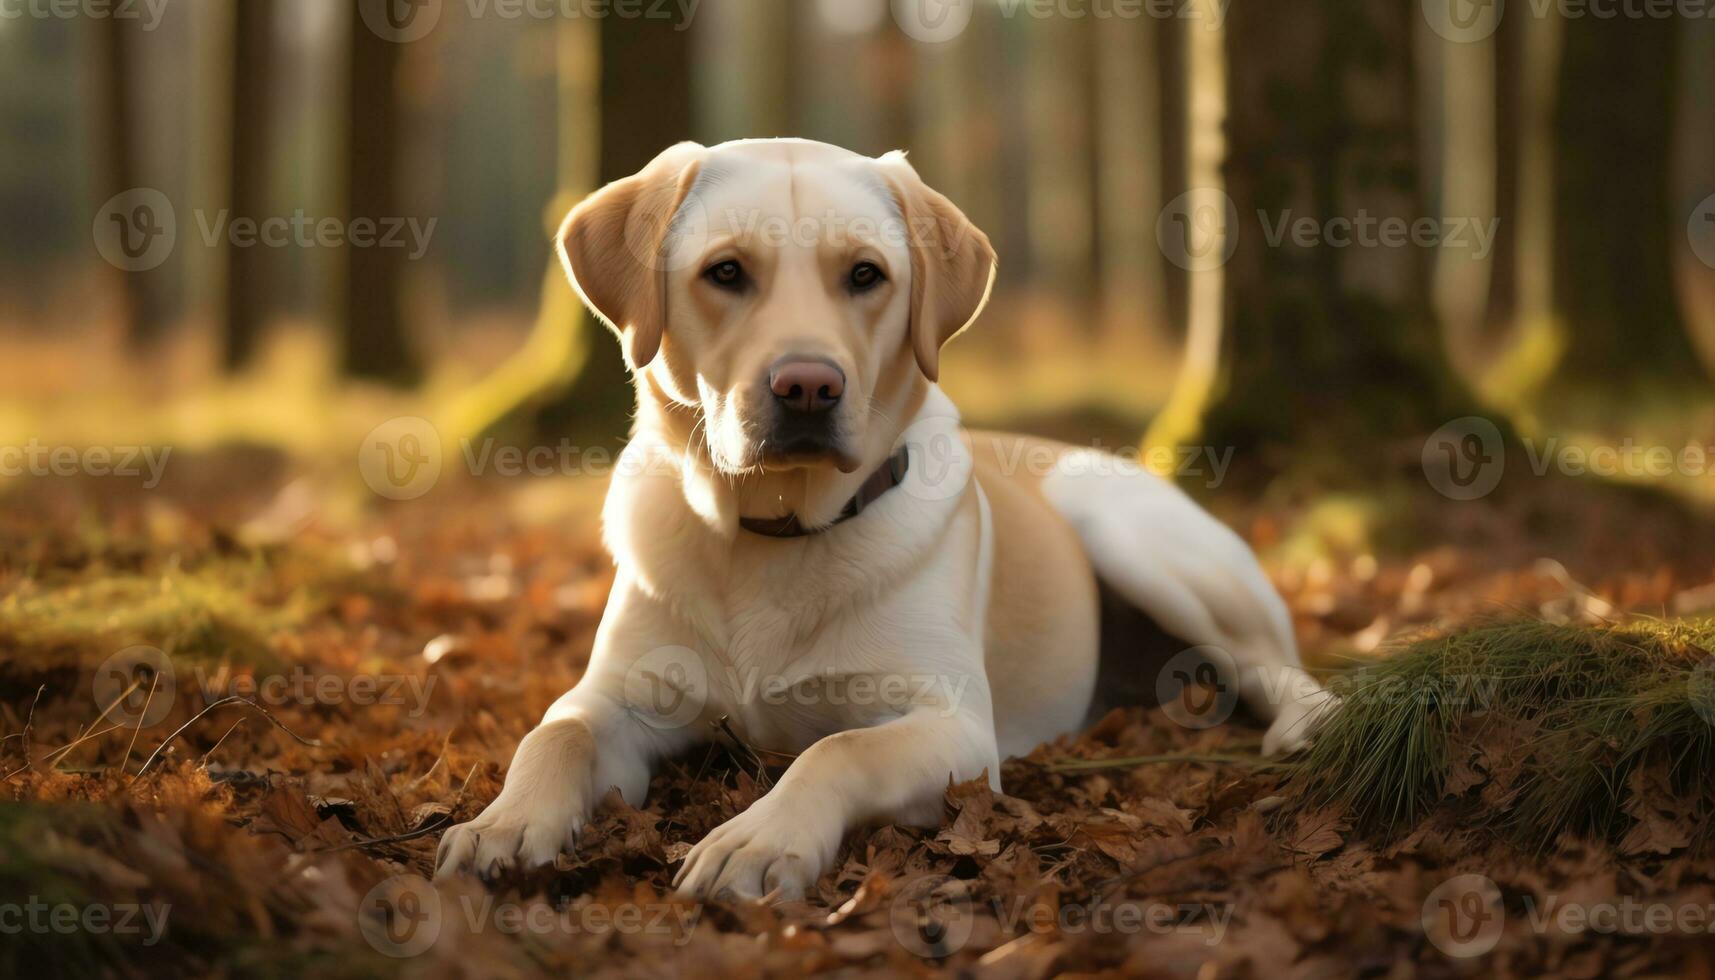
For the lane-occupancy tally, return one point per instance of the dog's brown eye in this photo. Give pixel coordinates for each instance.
(865, 276)
(726, 275)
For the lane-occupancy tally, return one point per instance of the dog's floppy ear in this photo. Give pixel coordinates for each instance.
(952, 263)
(615, 250)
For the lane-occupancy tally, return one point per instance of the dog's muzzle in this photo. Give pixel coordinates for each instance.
(806, 427)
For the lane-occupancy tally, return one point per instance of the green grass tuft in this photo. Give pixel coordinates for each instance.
(1527, 727)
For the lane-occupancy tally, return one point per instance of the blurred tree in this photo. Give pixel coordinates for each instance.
(1196, 127)
(1694, 183)
(645, 108)
(1174, 80)
(563, 338)
(249, 282)
(1524, 337)
(42, 224)
(374, 340)
(1461, 161)
(569, 379)
(1129, 182)
(1489, 156)
(145, 296)
(853, 76)
(1612, 250)
(1331, 342)
(742, 60)
(1058, 94)
(953, 117)
(971, 134)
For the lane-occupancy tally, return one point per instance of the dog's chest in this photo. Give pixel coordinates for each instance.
(810, 649)
(793, 620)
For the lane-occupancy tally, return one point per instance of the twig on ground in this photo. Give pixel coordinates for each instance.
(154, 680)
(1127, 762)
(459, 798)
(29, 719)
(437, 822)
(83, 734)
(440, 758)
(232, 699)
(203, 762)
(59, 754)
(111, 705)
(1107, 888)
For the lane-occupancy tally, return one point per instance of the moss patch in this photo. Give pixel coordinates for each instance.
(225, 609)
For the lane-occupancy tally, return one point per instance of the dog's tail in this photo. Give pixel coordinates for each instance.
(1200, 582)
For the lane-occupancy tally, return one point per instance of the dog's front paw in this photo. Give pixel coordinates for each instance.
(766, 850)
(539, 811)
(507, 834)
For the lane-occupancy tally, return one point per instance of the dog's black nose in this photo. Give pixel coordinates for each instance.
(804, 384)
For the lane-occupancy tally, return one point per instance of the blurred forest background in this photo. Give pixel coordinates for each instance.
(1347, 253)
(1087, 139)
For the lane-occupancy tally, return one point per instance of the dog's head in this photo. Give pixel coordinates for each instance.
(793, 295)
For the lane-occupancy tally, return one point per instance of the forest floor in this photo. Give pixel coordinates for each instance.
(402, 651)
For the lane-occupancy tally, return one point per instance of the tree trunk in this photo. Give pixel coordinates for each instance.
(144, 296)
(1460, 99)
(1615, 237)
(563, 340)
(955, 141)
(853, 81)
(1488, 109)
(374, 336)
(249, 274)
(1198, 213)
(645, 108)
(1329, 342)
(1694, 185)
(1059, 158)
(1522, 335)
(1129, 182)
(754, 101)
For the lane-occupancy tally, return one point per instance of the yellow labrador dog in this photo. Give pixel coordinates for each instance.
(813, 553)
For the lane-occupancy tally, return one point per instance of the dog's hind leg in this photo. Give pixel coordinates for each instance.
(1160, 551)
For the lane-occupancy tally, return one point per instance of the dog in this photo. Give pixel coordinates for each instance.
(812, 553)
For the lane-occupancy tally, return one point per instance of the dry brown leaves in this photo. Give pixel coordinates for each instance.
(271, 852)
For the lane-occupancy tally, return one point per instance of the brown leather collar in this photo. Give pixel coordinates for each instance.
(882, 480)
